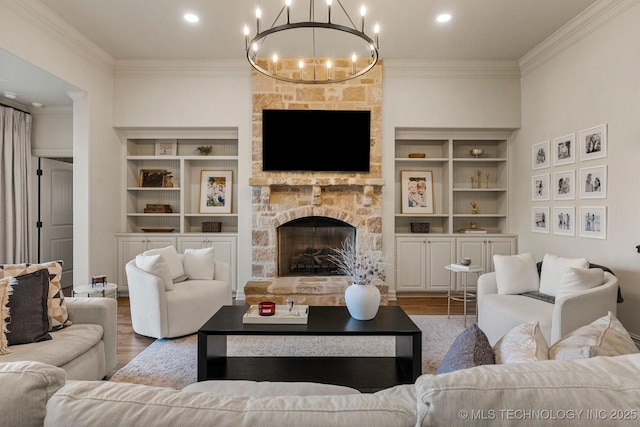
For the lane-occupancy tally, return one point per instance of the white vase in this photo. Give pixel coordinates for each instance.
(362, 301)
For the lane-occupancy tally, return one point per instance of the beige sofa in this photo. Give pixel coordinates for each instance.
(597, 391)
(85, 350)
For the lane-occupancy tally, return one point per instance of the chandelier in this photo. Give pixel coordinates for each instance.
(304, 51)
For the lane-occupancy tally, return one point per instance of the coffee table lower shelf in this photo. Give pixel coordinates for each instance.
(367, 374)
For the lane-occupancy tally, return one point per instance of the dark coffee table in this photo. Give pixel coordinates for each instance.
(366, 374)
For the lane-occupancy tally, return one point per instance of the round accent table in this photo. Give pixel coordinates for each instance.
(466, 296)
(97, 290)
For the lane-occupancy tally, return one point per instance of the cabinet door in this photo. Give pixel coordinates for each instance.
(440, 253)
(476, 249)
(499, 246)
(195, 242)
(410, 264)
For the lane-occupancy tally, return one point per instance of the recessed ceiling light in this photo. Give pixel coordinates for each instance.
(37, 104)
(445, 17)
(191, 18)
(9, 95)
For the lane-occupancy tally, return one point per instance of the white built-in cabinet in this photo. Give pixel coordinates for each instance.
(182, 227)
(421, 258)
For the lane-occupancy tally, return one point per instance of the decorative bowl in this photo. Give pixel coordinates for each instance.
(465, 261)
(476, 152)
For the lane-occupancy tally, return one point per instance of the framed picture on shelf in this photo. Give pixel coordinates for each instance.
(564, 150)
(167, 148)
(593, 182)
(593, 222)
(215, 191)
(564, 185)
(540, 187)
(564, 219)
(153, 177)
(417, 191)
(593, 143)
(540, 157)
(540, 220)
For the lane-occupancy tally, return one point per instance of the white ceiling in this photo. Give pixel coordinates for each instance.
(155, 29)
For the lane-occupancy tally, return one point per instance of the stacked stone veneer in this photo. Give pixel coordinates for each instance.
(279, 197)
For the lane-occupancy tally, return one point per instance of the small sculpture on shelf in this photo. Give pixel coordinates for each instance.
(474, 207)
(204, 150)
(487, 175)
(479, 182)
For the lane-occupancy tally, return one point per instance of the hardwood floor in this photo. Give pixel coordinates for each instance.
(131, 344)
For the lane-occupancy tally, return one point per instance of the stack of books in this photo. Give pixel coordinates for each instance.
(472, 230)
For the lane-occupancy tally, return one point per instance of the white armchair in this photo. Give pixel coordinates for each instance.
(498, 314)
(160, 313)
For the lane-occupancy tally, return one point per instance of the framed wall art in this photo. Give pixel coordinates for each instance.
(593, 143)
(215, 191)
(152, 177)
(593, 222)
(593, 182)
(563, 150)
(540, 187)
(564, 219)
(167, 148)
(540, 158)
(540, 220)
(564, 185)
(417, 192)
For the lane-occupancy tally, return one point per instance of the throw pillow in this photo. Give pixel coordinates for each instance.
(5, 291)
(470, 348)
(516, 274)
(173, 260)
(553, 268)
(199, 264)
(579, 279)
(158, 266)
(56, 306)
(603, 337)
(28, 320)
(524, 343)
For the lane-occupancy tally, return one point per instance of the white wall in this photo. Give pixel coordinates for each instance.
(594, 81)
(28, 31)
(52, 132)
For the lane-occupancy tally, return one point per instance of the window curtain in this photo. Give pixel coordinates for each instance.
(16, 229)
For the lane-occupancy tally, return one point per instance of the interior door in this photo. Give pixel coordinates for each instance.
(56, 215)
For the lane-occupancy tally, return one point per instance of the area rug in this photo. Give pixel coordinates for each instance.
(173, 362)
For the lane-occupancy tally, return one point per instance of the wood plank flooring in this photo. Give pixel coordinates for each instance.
(131, 344)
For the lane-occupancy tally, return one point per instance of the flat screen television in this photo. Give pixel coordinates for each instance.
(316, 140)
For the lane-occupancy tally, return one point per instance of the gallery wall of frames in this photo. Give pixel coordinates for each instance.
(565, 171)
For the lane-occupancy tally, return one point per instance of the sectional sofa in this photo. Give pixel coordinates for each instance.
(596, 391)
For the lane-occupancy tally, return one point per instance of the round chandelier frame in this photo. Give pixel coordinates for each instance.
(252, 46)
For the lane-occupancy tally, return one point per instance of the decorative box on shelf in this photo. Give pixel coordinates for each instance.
(298, 315)
(153, 208)
(211, 227)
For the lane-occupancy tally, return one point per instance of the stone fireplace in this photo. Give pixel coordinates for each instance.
(351, 202)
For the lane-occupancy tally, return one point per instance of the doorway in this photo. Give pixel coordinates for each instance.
(54, 214)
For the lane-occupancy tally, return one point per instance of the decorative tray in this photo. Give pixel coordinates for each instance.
(158, 230)
(297, 316)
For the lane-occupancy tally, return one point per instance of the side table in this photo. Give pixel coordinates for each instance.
(101, 289)
(466, 296)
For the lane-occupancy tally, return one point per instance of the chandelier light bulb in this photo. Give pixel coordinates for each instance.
(354, 58)
(301, 64)
(363, 12)
(246, 37)
(376, 30)
(258, 16)
(287, 3)
(275, 58)
(329, 63)
(254, 47)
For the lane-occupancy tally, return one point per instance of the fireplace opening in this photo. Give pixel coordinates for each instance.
(304, 245)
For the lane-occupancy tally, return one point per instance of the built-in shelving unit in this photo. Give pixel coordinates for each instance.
(447, 154)
(183, 225)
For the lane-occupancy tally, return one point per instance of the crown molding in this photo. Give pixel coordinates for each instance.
(55, 109)
(594, 17)
(46, 20)
(192, 68)
(452, 69)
